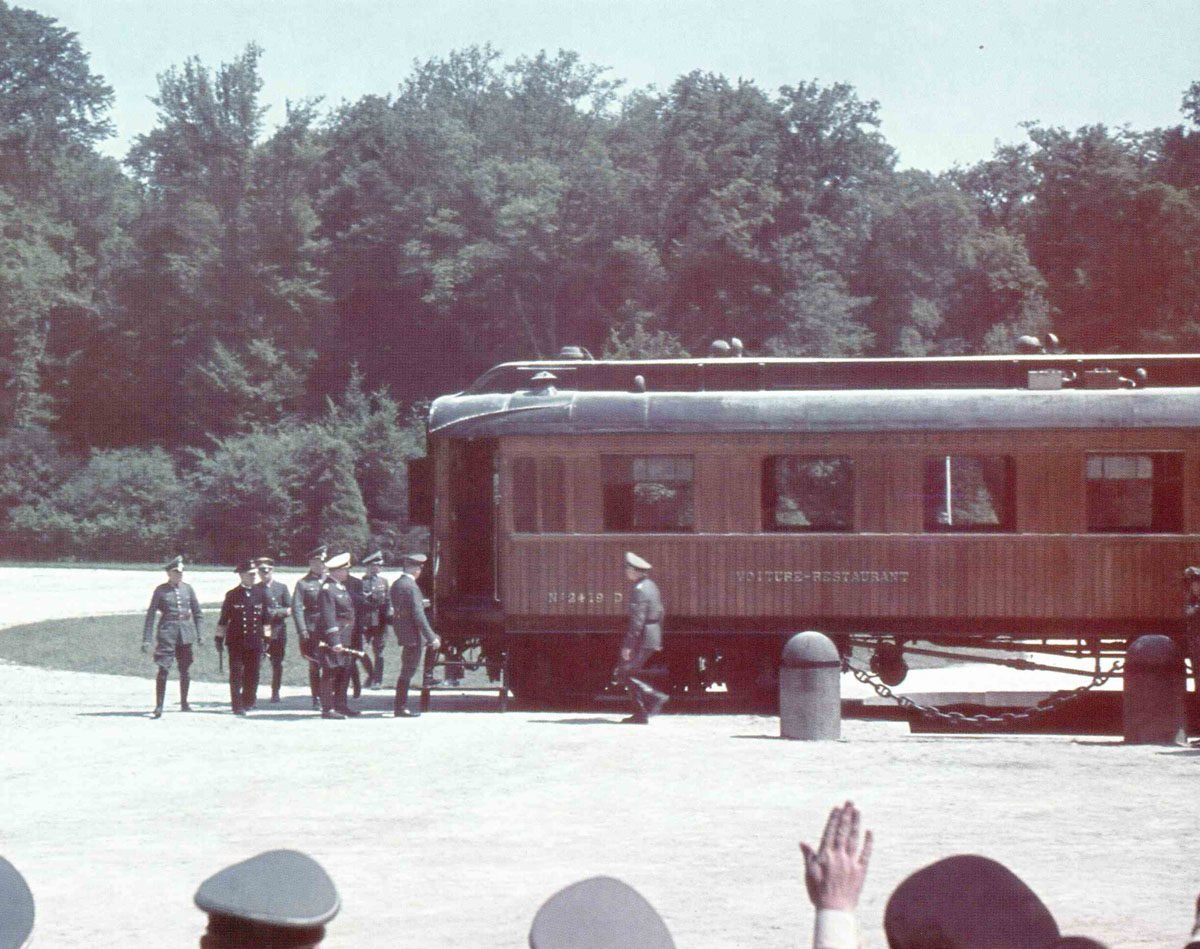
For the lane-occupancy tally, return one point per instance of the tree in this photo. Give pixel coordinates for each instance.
(51, 105)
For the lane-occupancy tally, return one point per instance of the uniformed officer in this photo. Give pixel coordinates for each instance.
(16, 908)
(281, 898)
(376, 613)
(243, 615)
(1191, 613)
(279, 608)
(304, 612)
(178, 629)
(355, 586)
(413, 632)
(335, 631)
(642, 640)
(599, 913)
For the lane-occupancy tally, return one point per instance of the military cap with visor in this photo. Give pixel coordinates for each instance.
(244, 566)
(16, 908)
(638, 563)
(598, 913)
(414, 558)
(319, 553)
(264, 562)
(176, 563)
(376, 557)
(1191, 573)
(281, 898)
(338, 561)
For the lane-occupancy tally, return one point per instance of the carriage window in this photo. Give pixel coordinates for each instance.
(1135, 493)
(808, 494)
(648, 493)
(969, 493)
(539, 496)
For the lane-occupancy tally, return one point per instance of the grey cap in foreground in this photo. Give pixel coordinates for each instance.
(279, 889)
(16, 908)
(598, 913)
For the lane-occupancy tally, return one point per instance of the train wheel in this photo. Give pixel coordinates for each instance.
(888, 663)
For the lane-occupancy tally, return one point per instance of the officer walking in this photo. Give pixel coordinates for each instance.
(335, 632)
(413, 632)
(240, 627)
(1191, 613)
(179, 617)
(279, 898)
(304, 613)
(279, 608)
(376, 612)
(642, 640)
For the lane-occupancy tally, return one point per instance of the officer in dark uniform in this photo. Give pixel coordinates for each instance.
(355, 586)
(281, 898)
(304, 612)
(243, 616)
(376, 612)
(16, 908)
(178, 630)
(335, 632)
(642, 640)
(413, 632)
(279, 608)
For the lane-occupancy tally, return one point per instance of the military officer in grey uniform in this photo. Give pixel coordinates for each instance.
(279, 608)
(376, 613)
(304, 613)
(335, 633)
(642, 640)
(413, 632)
(281, 898)
(243, 615)
(179, 617)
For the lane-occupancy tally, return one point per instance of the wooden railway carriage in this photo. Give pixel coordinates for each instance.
(1049, 502)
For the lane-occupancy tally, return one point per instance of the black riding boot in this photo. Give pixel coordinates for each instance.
(314, 684)
(185, 682)
(276, 680)
(379, 667)
(160, 693)
(355, 680)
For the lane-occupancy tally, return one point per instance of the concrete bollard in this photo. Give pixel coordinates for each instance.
(1155, 689)
(810, 696)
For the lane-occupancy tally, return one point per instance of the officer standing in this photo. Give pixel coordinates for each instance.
(304, 612)
(413, 632)
(375, 613)
(355, 586)
(178, 629)
(642, 640)
(1191, 613)
(243, 616)
(279, 608)
(279, 898)
(335, 632)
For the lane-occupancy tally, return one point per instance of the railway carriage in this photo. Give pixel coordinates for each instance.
(1041, 503)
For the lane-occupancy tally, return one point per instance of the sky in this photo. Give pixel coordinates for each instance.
(952, 77)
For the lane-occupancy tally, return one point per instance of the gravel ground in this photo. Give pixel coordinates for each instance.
(450, 830)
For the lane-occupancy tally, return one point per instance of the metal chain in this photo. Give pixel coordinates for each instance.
(1049, 704)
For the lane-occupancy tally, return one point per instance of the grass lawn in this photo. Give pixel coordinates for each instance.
(112, 644)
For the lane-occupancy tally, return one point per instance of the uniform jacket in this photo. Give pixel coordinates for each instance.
(645, 616)
(335, 625)
(408, 613)
(179, 615)
(243, 614)
(375, 605)
(304, 603)
(279, 601)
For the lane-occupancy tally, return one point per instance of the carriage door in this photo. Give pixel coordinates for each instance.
(474, 493)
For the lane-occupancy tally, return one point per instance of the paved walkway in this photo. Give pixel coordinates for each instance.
(450, 830)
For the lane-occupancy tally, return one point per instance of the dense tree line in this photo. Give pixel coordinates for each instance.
(228, 327)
